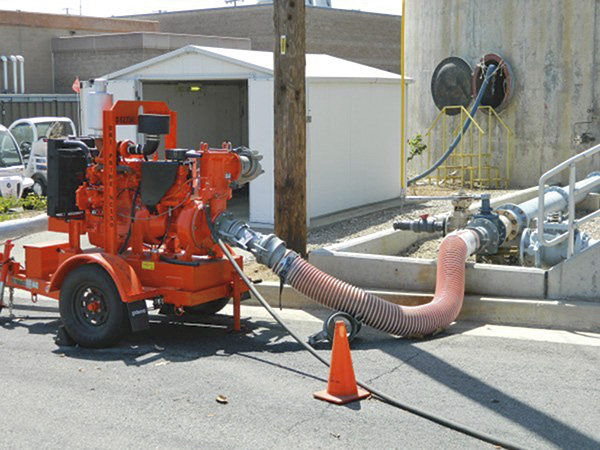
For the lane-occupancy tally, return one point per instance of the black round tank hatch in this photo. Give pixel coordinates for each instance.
(451, 84)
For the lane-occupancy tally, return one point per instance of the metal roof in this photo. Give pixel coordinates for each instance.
(318, 66)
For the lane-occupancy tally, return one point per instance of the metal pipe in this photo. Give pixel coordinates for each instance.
(4, 60)
(517, 218)
(13, 60)
(21, 61)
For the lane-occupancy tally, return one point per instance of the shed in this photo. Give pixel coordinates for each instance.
(353, 126)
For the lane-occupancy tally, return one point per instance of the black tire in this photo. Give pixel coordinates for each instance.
(39, 186)
(207, 309)
(85, 288)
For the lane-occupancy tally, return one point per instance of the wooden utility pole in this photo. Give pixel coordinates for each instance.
(290, 123)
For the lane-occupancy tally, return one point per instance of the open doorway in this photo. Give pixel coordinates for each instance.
(211, 111)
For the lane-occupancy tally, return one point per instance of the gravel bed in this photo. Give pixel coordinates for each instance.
(383, 220)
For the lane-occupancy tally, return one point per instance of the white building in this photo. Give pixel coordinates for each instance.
(353, 126)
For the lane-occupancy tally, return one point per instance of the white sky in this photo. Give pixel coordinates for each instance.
(105, 8)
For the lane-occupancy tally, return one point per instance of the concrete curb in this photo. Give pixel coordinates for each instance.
(551, 314)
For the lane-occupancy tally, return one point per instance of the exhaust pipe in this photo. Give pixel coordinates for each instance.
(21, 61)
(13, 60)
(4, 60)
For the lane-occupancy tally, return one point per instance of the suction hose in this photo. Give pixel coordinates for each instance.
(488, 76)
(394, 319)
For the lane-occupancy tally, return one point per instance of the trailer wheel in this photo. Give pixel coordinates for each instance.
(91, 308)
(207, 309)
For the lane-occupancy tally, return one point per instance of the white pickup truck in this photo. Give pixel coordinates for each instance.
(31, 135)
(13, 181)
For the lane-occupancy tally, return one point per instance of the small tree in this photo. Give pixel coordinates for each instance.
(416, 145)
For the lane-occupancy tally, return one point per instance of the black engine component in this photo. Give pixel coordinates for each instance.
(157, 178)
(153, 124)
(66, 172)
(176, 154)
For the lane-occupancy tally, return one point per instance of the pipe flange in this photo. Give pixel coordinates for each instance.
(558, 190)
(516, 217)
(491, 238)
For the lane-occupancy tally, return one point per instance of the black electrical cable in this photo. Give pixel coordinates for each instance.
(164, 238)
(448, 423)
(132, 218)
(179, 262)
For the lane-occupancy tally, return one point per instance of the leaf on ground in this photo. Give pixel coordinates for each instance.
(162, 363)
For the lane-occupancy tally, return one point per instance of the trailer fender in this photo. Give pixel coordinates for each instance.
(125, 279)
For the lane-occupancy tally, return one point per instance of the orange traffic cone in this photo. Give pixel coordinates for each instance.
(341, 386)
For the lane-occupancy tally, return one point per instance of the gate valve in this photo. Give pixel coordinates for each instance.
(424, 217)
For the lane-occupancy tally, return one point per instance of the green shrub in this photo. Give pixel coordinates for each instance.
(7, 203)
(33, 202)
(416, 145)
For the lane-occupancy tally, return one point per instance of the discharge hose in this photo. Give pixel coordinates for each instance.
(488, 76)
(394, 319)
(341, 296)
(448, 423)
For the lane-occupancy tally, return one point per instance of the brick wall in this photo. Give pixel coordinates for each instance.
(371, 39)
(93, 56)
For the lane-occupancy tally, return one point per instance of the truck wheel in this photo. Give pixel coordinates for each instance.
(39, 186)
(207, 309)
(91, 308)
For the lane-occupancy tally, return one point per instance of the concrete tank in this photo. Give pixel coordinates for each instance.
(552, 47)
(321, 3)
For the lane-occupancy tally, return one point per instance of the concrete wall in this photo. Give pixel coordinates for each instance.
(366, 38)
(92, 56)
(30, 35)
(552, 47)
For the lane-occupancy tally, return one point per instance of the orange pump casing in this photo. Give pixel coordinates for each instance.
(174, 230)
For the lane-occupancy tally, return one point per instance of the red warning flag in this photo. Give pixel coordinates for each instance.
(76, 87)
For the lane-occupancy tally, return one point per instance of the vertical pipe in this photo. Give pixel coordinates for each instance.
(444, 131)
(429, 151)
(402, 112)
(13, 60)
(4, 60)
(21, 61)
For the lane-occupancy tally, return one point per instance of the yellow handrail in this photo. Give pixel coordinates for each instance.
(469, 164)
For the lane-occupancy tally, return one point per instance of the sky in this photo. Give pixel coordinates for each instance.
(107, 8)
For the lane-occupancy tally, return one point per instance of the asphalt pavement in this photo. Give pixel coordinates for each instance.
(159, 388)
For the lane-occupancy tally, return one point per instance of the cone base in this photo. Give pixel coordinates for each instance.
(341, 399)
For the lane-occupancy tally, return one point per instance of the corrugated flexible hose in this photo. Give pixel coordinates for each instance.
(385, 316)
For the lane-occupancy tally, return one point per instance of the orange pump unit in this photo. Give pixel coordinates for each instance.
(147, 220)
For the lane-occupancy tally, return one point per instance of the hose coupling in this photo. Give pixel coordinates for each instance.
(267, 248)
(422, 225)
(251, 167)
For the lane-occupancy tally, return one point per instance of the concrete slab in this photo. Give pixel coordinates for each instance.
(577, 277)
